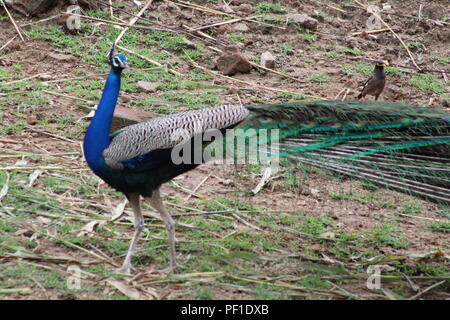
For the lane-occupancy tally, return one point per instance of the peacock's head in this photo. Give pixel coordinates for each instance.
(117, 61)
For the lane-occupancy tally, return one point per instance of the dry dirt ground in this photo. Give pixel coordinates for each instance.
(306, 235)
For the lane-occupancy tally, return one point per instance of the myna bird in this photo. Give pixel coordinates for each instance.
(375, 84)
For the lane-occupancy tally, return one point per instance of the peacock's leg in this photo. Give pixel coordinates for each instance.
(156, 202)
(134, 200)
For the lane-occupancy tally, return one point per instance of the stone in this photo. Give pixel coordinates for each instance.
(314, 192)
(45, 77)
(267, 60)
(62, 57)
(28, 7)
(240, 27)
(147, 86)
(31, 120)
(245, 8)
(34, 7)
(162, 7)
(225, 28)
(231, 61)
(303, 20)
(227, 9)
(188, 43)
(126, 116)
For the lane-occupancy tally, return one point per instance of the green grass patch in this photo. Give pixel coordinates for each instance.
(315, 225)
(237, 37)
(413, 208)
(415, 45)
(387, 234)
(427, 82)
(443, 227)
(284, 49)
(333, 54)
(269, 7)
(309, 38)
(320, 78)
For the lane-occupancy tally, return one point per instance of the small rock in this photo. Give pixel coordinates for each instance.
(126, 116)
(314, 192)
(147, 86)
(318, 15)
(232, 61)
(226, 9)
(45, 77)
(225, 28)
(173, 7)
(328, 235)
(31, 120)
(248, 43)
(125, 98)
(245, 8)
(267, 60)
(162, 7)
(303, 20)
(227, 182)
(187, 16)
(27, 7)
(62, 57)
(189, 43)
(442, 102)
(15, 45)
(240, 27)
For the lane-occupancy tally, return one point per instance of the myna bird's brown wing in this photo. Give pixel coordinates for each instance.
(372, 86)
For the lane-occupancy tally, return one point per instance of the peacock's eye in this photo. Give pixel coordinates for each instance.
(264, 119)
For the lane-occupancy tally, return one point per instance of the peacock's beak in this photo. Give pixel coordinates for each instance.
(125, 65)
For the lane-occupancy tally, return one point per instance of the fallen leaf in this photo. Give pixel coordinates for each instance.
(328, 235)
(5, 188)
(128, 291)
(33, 177)
(392, 295)
(117, 211)
(427, 255)
(88, 228)
(263, 181)
(21, 163)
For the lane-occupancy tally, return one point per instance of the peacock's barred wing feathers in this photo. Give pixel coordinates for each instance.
(396, 145)
(166, 132)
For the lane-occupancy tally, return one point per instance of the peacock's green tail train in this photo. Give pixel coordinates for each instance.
(399, 146)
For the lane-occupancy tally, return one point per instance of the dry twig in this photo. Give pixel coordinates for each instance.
(149, 60)
(132, 21)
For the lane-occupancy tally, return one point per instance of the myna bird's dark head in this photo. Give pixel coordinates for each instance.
(382, 63)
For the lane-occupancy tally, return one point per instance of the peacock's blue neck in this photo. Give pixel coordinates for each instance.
(97, 135)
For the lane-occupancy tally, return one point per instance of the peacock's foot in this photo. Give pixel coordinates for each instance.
(127, 268)
(170, 268)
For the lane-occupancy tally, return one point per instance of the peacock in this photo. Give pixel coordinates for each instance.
(395, 145)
